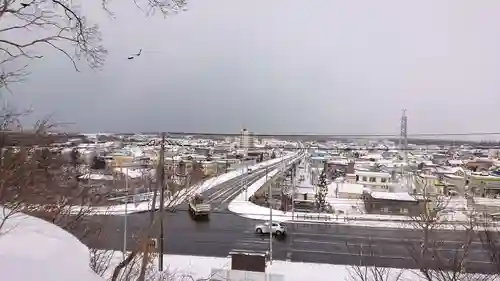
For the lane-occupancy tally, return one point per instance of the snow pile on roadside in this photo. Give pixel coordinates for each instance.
(182, 267)
(32, 249)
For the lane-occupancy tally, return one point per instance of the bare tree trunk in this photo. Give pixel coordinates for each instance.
(123, 264)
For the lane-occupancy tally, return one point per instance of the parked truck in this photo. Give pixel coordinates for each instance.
(197, 207)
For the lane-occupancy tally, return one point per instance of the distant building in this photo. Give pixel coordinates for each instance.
(247, 140)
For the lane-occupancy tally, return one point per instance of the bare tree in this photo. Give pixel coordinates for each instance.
(435, 255)
(366, 272)
(29, 27)
(489, 235)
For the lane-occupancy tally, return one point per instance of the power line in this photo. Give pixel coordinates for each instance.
(346, 149)
(332, 135)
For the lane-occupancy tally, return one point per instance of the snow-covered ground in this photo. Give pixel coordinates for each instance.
(184, 268)
(250, 210)
(32, 249)
(181, 196)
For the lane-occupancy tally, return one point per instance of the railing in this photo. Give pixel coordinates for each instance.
(334, 218)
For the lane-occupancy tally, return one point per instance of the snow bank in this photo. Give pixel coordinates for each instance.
(181, 267)
(32, 249)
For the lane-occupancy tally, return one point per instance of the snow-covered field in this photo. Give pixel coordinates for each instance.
(181, 196)
(32, 249)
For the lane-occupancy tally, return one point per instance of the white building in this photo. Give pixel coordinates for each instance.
(376, 181)
(247, 140)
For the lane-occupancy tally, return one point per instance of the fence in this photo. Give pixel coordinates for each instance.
(335, 218)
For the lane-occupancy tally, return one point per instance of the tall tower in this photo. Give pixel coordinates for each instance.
(403, 138)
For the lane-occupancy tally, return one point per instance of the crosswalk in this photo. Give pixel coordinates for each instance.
(255, 243)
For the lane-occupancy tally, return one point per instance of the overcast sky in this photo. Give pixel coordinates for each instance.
(284, 66)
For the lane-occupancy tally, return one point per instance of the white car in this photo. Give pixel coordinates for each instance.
(277, 228)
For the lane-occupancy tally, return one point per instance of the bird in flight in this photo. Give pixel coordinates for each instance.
(135, 55)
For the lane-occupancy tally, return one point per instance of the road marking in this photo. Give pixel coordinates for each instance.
(238, 186)
(248, 251)
(288, 256)
(222, 192)
(254, 241)
(350, 254)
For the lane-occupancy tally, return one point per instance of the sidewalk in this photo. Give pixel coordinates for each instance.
(33, 249)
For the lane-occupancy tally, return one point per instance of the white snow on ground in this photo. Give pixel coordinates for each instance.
(346, 205)
(181, 196)
(32, 249)
(250, 210)
(183, 268)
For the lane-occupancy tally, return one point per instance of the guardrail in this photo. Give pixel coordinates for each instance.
(334, 218)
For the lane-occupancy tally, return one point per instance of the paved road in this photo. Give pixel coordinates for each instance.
(335, 244)
(319, 243)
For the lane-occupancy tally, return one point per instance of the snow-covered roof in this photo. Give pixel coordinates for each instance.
(399, 196)
(97, 177)
(455, 162)
(373, 174)
(426, 176)
(32, 249)
(344, 187)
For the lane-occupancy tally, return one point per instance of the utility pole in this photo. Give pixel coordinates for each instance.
(403, 145)
(246, 181)
(161, 182)
(294, 178)
(125, 222)
(269, 197)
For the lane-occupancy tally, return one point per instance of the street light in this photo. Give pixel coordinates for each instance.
(270, 222)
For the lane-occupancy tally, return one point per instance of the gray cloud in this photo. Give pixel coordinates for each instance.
(285, 66)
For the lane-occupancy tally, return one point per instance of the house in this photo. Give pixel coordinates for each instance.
(318, 161)
(479, 164)
(455, 162)
(393, 203)
(455, 182)
(439, 158)
(339, 167)
(377, 181)
(428, 184)
(305, 191)
(341, 189)
(483, 184)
